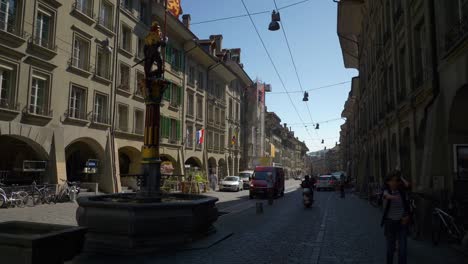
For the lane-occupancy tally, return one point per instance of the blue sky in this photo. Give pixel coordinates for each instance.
(311, 30)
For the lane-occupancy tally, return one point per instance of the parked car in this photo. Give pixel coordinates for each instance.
(298, 177)
(339, 175)
(326, 182)
(259, 184)
(246, 176)
(231, 183)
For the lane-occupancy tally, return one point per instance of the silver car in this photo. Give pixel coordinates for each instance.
(326, 182)
(231, 183)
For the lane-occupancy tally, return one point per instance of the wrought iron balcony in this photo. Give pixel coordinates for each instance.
(101, 119)
(76, 114)
(83, 8)
(104, 74)
(38, 110)
(6, 103)
(80, 64)
(45, 46)
(106, 24)
(11, 26)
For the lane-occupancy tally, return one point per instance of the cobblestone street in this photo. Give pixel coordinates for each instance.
(333, 231)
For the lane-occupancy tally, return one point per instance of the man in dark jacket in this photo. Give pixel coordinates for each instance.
(308, 183)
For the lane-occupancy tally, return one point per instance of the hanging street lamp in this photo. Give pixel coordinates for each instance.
(275, 19)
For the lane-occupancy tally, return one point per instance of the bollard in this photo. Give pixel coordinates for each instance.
(270, 198)
(259, 207)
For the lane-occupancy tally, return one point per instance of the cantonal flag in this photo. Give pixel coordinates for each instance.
(173, 6)
(200, 136)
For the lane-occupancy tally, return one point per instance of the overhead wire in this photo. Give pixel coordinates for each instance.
(273, 64)
(295, 68)
(245, 15)
(313, 89)
(318, 122)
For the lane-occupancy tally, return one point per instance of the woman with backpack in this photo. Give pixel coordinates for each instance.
(395, 219)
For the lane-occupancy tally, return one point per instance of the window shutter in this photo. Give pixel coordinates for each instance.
(179, 136)
(161, 127)
(179, 95)
(168, 127)
(181, 60)
(165, 127)
(168, 53)
(167, 92)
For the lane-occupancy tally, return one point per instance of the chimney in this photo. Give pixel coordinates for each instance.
(285, 125)
(186, 20)
(218, 41)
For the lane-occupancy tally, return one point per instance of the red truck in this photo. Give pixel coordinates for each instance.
(267, 179)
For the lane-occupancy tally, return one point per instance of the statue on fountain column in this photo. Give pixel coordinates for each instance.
(152, 52)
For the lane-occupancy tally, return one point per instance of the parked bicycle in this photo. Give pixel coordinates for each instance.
(414, 226)
(41, 195)
(445, 224)
(375, 194)
(68, 191)
(16, 199)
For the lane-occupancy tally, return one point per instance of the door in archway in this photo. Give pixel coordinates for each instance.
(77, 155)
(458, 143)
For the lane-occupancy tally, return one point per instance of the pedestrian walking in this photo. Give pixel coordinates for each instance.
(395, 219)
(213, 180)
(342, 189)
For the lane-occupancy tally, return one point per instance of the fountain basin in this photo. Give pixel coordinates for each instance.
(128, 224)
(29, 242)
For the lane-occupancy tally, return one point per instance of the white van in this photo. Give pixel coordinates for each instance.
(246, 176)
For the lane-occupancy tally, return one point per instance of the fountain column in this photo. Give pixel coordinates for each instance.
(151, 161)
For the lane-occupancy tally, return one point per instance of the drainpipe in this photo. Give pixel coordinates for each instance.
(114, 93)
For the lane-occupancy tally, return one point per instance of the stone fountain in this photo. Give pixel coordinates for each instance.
(148, 220)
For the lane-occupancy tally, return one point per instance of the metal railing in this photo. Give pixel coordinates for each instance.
(11, 26)
(99, 118)
(138, 92)
(75, 114)
(7, 103)
(79, 64)
(104, 73)
(83, 8)
(40, 110)
(106, 23)
(124, 86)
(45, 43)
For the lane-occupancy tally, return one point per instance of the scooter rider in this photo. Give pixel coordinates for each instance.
(308, 183)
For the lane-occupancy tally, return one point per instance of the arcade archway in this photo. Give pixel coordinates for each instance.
(23, 161)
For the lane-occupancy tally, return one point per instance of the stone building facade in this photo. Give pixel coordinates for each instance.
(406, 108)
(283, 148)
(70, 103)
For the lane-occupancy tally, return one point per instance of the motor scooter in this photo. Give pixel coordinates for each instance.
(307, 197)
